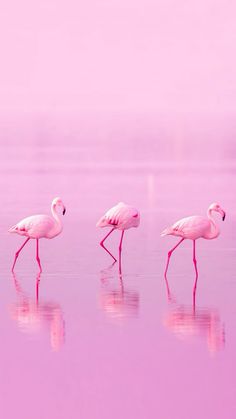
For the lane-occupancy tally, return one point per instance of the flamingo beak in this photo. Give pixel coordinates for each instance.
(64, 211)
(222, 212)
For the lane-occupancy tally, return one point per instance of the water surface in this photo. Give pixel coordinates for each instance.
(85, 340)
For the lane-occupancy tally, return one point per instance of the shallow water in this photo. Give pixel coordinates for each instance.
(85, 340)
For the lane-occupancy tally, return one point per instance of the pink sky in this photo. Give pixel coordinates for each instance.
(73, 55)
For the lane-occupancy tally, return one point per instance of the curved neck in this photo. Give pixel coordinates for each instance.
(55, 215)
(214, 227)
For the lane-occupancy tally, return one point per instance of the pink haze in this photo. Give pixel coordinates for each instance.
(104, 102)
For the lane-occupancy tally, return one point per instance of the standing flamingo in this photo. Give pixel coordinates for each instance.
(39, 226)
(120, 217)
(193, 228)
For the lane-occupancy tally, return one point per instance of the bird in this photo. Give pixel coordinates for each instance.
(38, 227)
(193, 228)
(120, 217)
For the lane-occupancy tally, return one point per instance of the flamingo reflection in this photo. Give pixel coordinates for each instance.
(33, 315)
(188, 321)
(117, 301)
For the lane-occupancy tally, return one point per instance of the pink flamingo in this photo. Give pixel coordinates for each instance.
(193, 228)
(120, 217)
(39, 226)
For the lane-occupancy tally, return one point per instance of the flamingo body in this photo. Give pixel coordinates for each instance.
(120, 217)
(194, 227)
(38, 227)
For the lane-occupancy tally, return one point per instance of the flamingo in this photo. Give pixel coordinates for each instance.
(193, 228)
(39, 226)
(120, 217)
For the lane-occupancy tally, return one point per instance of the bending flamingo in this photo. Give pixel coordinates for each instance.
(120, 217)
(38, 227)
(193, 228)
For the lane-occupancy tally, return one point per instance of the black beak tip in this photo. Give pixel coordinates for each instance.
(223, 218)
(64, 211)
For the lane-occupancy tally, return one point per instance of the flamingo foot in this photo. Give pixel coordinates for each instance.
(13, 266)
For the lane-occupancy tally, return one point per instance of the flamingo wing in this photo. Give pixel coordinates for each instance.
(127, 217)
(35, 226)
(119, 216)
(189, 228)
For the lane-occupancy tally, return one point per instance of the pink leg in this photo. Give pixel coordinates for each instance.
(37, 255)
(195, 265)
(101, 243)
(121, 284)
(17, 284)
(120, 249)
(194, 259)
(194, 296)
(37, 287)
(18, 252)
(169, 255)
(168, 289)
(170, 296)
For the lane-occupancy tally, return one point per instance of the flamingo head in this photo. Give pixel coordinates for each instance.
(216, 207)
(57, 202)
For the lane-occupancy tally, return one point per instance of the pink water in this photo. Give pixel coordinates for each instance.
(98, 345)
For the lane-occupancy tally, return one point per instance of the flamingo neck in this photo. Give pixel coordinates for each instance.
(55, 215)
(215, 231)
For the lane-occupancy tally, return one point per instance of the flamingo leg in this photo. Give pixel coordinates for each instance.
(37, 287)
(194, 295)
(18, 252)
(168, 289)
(169, 255)
(120, 249)
(121, 283)
(37, 255)
(194, 259)
(101, 244)
(195, 266)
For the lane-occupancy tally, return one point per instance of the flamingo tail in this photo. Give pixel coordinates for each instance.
(167, 231)
(13, 229)
(102, 222)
